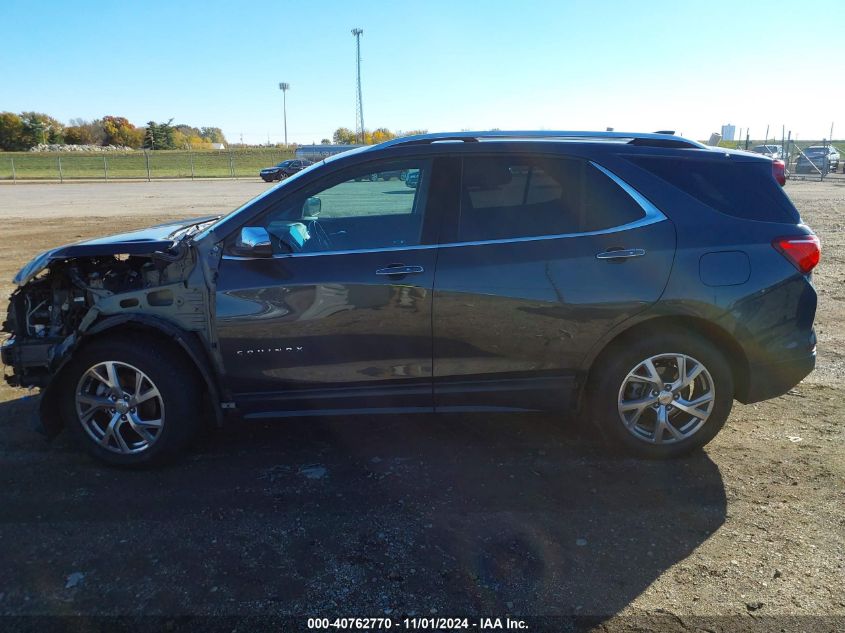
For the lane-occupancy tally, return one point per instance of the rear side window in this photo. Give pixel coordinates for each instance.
(505, 197)
(741, 189)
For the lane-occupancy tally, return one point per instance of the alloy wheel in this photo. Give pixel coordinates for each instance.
(119, 407)
(666, 398)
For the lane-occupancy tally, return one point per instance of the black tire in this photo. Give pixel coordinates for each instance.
(167, 368)
(613, 366)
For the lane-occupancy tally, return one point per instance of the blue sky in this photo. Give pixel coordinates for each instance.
(438, 65)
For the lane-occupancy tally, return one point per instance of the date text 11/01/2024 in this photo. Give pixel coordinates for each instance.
(418, 623)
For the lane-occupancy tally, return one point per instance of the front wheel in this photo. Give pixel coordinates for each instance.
(660, 396)
(131, 402)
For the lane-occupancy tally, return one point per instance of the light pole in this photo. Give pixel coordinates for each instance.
(284, 87)
(359, 106)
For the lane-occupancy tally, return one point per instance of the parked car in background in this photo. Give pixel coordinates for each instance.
(517, 276)
(818, 158)
(396, 173)
(284, 169)
(772, 151)
(383, 175)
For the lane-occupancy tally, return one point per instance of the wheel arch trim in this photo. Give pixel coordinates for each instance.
(188, 342)
(692, 324)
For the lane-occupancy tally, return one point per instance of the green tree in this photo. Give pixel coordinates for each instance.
(159, 135)
(40, 128)
(343, 136)
(11, 132)
(213, 134)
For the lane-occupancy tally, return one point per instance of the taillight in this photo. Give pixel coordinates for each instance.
(803, 251)
(779, 171)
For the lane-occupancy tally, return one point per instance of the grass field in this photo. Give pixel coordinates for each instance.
(131, 165)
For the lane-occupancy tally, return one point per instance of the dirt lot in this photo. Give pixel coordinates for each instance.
(425, 516)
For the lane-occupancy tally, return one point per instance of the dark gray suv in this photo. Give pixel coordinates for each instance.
(818, 159)
(643, 280)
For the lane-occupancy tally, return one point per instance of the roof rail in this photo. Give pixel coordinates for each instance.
(658, 139)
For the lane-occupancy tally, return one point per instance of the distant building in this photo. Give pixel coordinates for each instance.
(728, 132)
(218, 146)
(319, 152)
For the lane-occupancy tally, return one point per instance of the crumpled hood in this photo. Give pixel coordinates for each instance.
(159, 238)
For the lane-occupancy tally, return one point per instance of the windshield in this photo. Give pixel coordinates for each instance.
(284, 163)
(815, 151)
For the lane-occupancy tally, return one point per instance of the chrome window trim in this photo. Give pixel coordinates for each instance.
(652, 216)
(647, 206)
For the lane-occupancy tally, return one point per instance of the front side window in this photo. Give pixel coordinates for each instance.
(506, 197)
(366, 208)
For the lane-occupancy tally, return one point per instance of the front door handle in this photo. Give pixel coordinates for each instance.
(400, 269)
(621, 253)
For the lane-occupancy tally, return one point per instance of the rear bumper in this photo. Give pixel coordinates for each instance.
(775, 379)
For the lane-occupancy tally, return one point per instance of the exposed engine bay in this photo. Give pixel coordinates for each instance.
(55, 305)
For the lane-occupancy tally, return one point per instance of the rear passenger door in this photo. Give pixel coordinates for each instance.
(543, 257)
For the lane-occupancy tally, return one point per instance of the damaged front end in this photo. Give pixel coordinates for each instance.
(69, 292)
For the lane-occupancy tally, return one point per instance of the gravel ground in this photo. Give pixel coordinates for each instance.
(471, 515)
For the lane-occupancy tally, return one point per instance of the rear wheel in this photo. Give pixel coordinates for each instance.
(663, 395)
(131, 402)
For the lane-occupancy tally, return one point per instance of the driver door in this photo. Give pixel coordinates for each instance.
(339, 317)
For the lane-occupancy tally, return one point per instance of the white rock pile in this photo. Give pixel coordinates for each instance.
(54, 147)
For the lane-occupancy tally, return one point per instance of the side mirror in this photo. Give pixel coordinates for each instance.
(311, 207)
(254, 241)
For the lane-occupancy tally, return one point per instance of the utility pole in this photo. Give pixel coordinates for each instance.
(359, 107)
(284, 87)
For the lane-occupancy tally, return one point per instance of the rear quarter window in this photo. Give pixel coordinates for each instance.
(744, 190)
(504, 197)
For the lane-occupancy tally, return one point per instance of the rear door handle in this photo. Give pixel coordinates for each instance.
(400, 269)
(621, 253)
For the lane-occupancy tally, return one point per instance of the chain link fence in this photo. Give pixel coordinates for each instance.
(805, 160)
(138, 165)
(804, 163)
